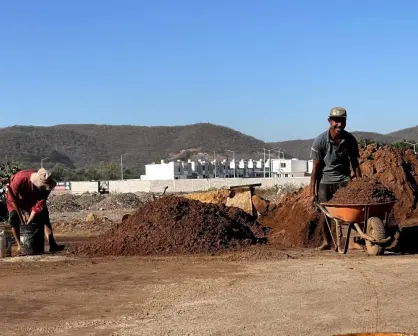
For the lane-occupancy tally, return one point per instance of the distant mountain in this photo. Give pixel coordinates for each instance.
(90, 145)
(301, 148)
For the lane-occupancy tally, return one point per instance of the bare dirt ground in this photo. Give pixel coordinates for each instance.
(257, 292)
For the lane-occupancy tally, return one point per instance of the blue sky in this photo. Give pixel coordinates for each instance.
(270, 68)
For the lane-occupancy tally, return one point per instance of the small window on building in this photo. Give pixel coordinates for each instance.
(286, 175)
(179, 169)
(283, 165)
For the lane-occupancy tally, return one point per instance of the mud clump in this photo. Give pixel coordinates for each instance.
(363, 191)
(175, 225)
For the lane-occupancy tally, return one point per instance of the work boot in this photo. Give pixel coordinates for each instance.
(53, 246)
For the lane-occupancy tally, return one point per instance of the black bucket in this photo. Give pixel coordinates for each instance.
(32, 239)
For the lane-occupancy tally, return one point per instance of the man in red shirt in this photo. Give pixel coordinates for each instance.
(31, 189)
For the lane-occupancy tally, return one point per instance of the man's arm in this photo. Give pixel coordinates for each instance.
(315, 178)
(317, 155)
(354, 158)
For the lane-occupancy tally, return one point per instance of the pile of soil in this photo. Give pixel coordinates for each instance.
(215, 196)
(93, 226)
(175, 225)
(66, 202)
(86, 201)
(363, 191)
(118, 201)
(294, 222)
(63, 203)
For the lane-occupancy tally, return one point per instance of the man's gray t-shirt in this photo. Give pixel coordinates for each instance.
(335, 158)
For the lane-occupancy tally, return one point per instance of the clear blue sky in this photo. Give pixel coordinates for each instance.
(271, 69)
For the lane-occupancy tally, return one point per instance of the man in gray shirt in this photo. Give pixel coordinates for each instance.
(332, 152)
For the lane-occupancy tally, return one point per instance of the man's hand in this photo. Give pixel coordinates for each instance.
(313, 200)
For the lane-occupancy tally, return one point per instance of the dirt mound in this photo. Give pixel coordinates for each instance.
(397, 170)
(63, 203)
(294, 221)
(86, 201)
(363, 191)
(118, 201)
(215, 196)
(174, 225)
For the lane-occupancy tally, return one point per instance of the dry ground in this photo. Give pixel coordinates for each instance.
(260, 292)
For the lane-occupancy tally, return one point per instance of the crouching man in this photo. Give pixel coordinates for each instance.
(31, 189)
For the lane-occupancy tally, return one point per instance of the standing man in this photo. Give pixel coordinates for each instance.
(31, 189)
(332, 152)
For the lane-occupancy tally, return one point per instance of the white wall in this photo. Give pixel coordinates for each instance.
(310, 166)
(84, 187)
(185, 185)
(299, 166)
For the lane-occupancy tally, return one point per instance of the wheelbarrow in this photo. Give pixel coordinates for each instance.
(367, 220)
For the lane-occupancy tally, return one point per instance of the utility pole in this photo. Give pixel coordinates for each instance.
(233, 159)
(121, 166)
(214, 159)
(42, 162)
(264, 162)
(269, 150)
(413, 144)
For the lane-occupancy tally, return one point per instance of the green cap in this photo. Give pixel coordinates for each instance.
(338, 112)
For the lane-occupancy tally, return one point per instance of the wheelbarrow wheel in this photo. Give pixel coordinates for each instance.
(375, 229)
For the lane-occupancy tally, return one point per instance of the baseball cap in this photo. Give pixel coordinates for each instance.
(338, 112)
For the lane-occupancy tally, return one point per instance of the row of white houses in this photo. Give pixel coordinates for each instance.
(226, 169)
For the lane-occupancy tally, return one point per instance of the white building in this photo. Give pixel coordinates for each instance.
(167, 171)
(226, 169)
(289, 167)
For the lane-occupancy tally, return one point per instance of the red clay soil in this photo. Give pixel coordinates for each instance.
(175, 225)
(294, 221)
(363, 191)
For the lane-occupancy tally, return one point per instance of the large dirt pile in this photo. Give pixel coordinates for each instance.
(118, 201)
(174, 225)
(71, 203)
(294, 221)
(397, 170)
(214, 196)
(63, 203)
(363, 191)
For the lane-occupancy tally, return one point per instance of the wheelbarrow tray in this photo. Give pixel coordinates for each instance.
(356, 213)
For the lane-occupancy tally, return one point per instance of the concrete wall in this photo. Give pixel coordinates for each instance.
(84, 187)
(188, 185)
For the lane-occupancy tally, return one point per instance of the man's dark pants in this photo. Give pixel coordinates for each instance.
(325, 192)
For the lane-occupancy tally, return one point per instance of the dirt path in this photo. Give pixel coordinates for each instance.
(268, 293)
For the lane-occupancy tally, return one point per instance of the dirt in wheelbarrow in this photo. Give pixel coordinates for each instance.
(365, 190)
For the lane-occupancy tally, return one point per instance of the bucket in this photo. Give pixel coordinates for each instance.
(5, 244)
(32, 239)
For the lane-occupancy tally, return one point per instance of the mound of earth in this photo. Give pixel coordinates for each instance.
(63, 203)
(175, 225)
(365, 190)
(118, 201)
(71, 203)
(294, 221)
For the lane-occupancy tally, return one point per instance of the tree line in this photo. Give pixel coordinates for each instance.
(62, 173)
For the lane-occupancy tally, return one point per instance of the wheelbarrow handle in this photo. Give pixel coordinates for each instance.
(323, 209)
